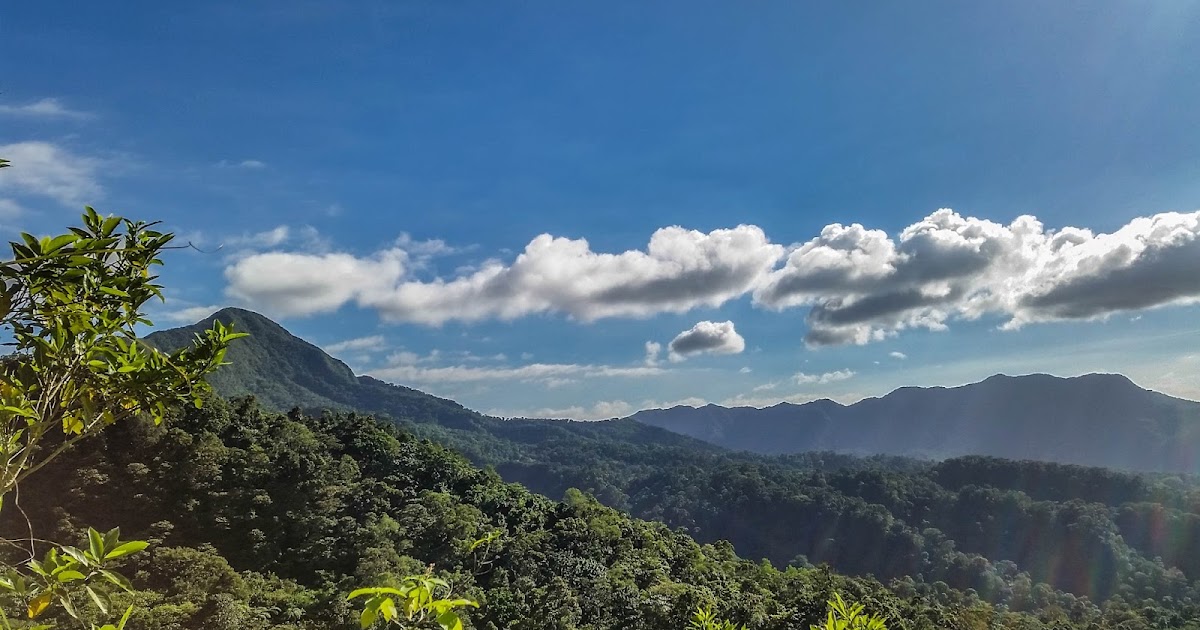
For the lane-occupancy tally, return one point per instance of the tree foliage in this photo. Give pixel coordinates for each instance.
(71, 304)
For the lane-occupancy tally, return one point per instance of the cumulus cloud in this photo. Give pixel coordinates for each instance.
(44, 108)
(359, 344)
(858, 285)
(678, 271)
(802, 378)
(291, 284)
(707, 338)
(861, 285)
(898, 355)
(48, 170)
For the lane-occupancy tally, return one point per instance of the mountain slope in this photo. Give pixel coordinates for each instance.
(952, 522)
(284, 371)
(1097, 420)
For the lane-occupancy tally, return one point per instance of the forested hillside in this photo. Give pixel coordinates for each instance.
(1022, 535)
(264, 520)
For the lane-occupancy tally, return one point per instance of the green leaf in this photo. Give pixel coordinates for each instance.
(100, 600)
(367, 618)
(117, 579)
(68, 605)
(125, 549)
(449, 621)
(125, 618)
(95, 544)
(78, 555)
(377, 590)
(69, 576)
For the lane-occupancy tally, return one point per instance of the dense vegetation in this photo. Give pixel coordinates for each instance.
(265, 520)
(1023, 535)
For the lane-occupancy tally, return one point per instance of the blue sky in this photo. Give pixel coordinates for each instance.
(372, 174)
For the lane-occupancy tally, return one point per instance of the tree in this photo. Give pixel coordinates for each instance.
(71, 305)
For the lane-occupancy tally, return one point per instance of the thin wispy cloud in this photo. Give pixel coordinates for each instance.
(653, 352)
(190, 314)
(43, 108)
(533, 372)
(10, 209)
(358, 344)
(803, 378)
(45, 169)
(603, 410)
(251, 165)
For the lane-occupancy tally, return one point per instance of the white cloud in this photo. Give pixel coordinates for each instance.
(898, 355)
(371, 343)
(743, 400)
(603, 410)
(262, 240)
(409, 372)
(679, 270)
(693, 401)
(303, 284)
(745, 370)
(191, 314)
(859, 285)
(862, 286)
(10, 209)
(44, 108)
(802, 378)
(403, 357)
(430, 247)
(48, 170)
(653, 350)
(707, 338)
(245, 164)
(766, 387)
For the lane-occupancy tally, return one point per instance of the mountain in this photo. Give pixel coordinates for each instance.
(1095, 420)
(264, 521)
(1024, 534)
(283, 371)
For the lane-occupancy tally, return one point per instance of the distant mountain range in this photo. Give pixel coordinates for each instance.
(1095, 420)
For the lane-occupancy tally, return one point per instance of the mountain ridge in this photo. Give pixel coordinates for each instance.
(1101, 419)
(283, 371)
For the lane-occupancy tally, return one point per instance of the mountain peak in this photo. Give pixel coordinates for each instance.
(284, 371)
(243, 319)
